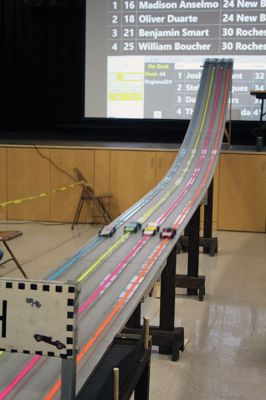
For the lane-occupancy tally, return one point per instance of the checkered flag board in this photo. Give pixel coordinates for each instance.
(38, 317)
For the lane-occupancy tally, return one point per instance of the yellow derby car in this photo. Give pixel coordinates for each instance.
(150, 229)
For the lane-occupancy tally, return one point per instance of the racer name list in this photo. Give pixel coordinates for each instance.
(235, 27)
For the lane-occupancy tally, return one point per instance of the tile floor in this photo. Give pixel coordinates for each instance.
(225, 357)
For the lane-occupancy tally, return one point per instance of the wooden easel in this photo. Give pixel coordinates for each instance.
(88, 194)
(6, 236)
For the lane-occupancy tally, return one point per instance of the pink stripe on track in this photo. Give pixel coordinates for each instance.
(189, 184)
(112, 275)
(35, 359)
(20, 376)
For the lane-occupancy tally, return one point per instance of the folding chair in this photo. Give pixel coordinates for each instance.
(5, 236)
(89, 194)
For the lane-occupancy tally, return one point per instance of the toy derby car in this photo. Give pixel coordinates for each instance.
(150, 229)
(107, 231)
(168, 233)
(49, 339)
(132, 227)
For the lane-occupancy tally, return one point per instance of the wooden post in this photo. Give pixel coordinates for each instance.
(134, 320)
(143, 386)
(167, 301)
(116, 383)
(68, 378)
(193, 248)
(208, 210)
(146, 333)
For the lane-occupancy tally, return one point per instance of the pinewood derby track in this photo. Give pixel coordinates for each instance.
(115, 273)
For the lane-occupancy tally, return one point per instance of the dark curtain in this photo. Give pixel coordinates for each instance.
(42, 52)
(41, 63)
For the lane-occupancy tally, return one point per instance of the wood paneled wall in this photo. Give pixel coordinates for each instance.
(132, 174)
(27, 174)
(63, 204)
(239, 183)
(242, 192)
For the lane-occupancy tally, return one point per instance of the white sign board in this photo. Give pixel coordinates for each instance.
(38, 317)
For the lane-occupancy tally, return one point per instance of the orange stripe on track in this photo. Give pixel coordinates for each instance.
(115, 310)
(212, 157)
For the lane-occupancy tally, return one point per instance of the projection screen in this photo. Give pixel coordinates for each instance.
(143, 58)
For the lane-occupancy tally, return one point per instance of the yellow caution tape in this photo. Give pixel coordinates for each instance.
(38, 196)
